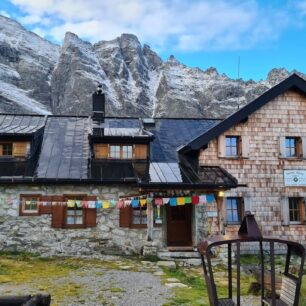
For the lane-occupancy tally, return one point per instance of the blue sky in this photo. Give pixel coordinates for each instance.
(207, 33)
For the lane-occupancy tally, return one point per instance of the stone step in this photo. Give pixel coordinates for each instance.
(166, 255)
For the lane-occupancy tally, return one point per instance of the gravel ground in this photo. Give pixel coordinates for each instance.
(128, 285)
(113, 287)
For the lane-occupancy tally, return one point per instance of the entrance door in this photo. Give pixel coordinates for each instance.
(179, 225)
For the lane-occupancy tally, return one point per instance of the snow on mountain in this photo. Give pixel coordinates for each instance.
(37, 76)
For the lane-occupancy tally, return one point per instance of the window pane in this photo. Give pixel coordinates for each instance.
(7, 149)
(114, 151)
(127, 152)
(291, 146)
(294, 209)
(233, 207)
(231, 147)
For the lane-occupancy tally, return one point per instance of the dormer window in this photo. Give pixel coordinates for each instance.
(120, 151)
(7, 149)
(114, 151)
(127, 152)
(18, 149)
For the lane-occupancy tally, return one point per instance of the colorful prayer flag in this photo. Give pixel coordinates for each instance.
(135, 203)
(210, 198)
(195, 200)
(187, 200)
(158, 201)
(143, 202)
(106, 204)
(112, 203)
(120, 204)
(166, 200)
(172, 202)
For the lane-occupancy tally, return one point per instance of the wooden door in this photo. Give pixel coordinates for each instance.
(179, 225)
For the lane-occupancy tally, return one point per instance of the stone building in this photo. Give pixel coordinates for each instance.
(100, 185)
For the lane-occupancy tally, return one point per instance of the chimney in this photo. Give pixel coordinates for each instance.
(98, 104)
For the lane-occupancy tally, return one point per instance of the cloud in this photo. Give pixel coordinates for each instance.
(173, 24)
(5, 13)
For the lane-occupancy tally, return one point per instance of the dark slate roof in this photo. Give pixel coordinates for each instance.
(65, 149)
(292, 82)
(20, 124)
(170, 134)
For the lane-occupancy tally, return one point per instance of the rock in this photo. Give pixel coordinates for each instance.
(125, 267)
(167, 264)
(159, 273)
(172, 280)
(176, 285)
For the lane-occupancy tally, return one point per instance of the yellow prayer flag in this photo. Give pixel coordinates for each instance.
(180, 201)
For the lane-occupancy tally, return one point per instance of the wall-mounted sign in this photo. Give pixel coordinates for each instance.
(295, 177)
(211, 214)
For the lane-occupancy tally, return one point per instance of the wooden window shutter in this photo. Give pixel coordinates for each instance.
(21, 149)
(245, 149)
(247, 203)
(221, 146)
(303, 210)
(304, 147)
(282, 147)
(299, 147)
(284, 210)
(90, 217)
(58, 216)
(141, 151)
(101, 150)
(125, 216)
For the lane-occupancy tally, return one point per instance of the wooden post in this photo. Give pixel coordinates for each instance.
(150, 220)
(219, 201)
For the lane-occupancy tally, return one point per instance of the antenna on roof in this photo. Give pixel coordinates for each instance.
(238, 81)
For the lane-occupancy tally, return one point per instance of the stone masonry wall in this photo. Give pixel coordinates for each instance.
(35, 234)
(263, 170)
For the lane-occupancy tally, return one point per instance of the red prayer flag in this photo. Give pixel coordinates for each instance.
(195, 200)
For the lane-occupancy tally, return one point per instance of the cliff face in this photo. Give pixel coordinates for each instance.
(37, 76)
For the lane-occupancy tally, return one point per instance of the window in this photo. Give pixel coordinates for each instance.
(293, 146)
(7, 149)
(139, 216)
(232, 146)
(114, 151)
(127, 152)
(234, 210)
(74, 215)
(14, 149)
(133, 217)
(29, 205)
(296, 210)
(120, 151)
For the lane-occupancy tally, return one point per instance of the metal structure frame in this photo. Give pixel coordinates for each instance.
(249, 232)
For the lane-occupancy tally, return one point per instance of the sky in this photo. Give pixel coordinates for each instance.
(261, 35)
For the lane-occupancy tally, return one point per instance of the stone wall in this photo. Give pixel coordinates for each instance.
(35, 234)
(262, 171)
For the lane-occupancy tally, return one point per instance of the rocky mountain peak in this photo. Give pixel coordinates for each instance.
(276, 75)
(37, 76)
